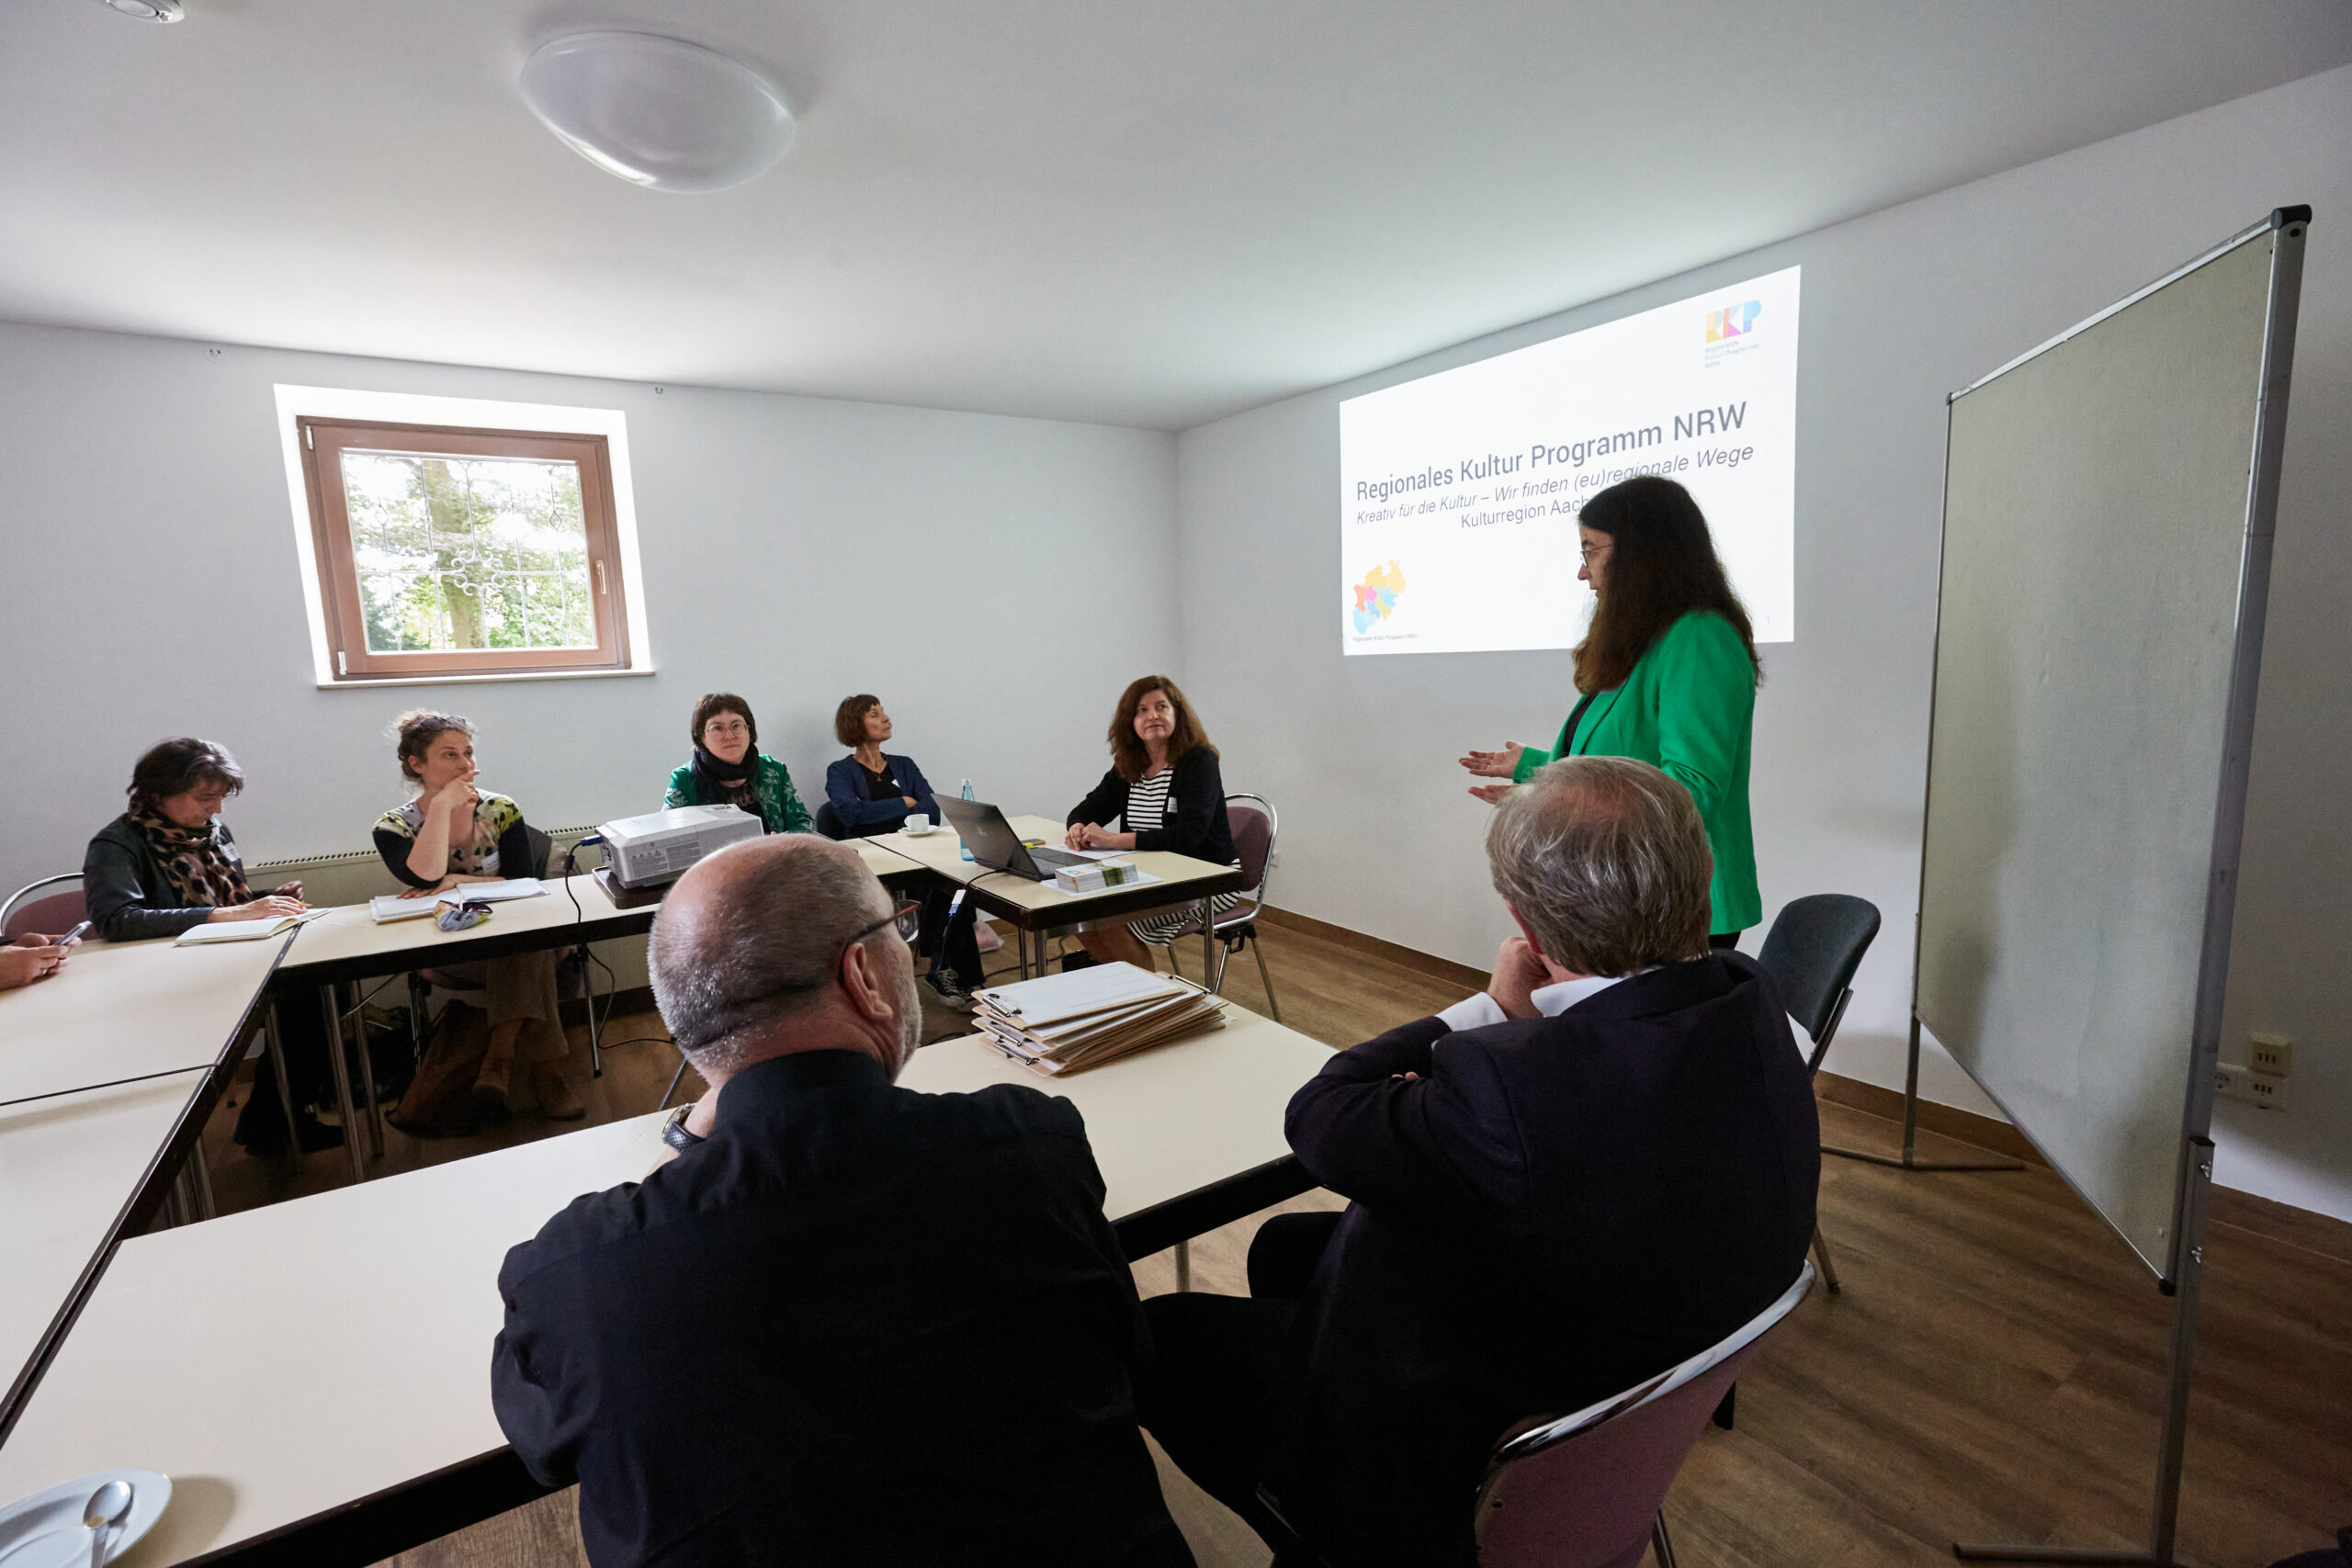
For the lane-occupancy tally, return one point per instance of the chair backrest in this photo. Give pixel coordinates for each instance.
(1811, 952)
(829, 821)
(1254, 825)
(51, 905)
(542, 850)
(1581, 1491)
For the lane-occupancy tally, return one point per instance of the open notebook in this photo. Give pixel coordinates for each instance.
(241, 930)
(386, 907)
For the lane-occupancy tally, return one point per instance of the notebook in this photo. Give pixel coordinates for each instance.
(241, 930)
(386, 907)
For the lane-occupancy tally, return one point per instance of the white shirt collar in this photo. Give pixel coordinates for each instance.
(1478, 1011)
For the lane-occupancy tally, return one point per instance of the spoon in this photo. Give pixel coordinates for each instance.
(106, 1509)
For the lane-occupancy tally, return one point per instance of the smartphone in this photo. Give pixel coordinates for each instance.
(76, 934)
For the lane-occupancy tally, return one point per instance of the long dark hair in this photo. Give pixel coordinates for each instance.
(1662, 567)
(1128, 757)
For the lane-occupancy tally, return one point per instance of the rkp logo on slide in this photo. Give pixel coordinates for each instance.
(1732, 321)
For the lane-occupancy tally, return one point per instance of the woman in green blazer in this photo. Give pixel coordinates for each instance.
(1667, 672)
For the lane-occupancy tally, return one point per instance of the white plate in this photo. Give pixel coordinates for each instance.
(45, 1531)
(922, 833)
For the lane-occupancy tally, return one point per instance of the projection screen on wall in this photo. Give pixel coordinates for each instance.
(1459, 491)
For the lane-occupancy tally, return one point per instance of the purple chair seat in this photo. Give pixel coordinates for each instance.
(1586, 1490)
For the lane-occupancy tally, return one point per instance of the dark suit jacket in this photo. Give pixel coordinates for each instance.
(1558, 1209)
(858, 1326)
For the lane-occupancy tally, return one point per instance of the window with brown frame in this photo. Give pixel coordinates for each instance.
(446, 551)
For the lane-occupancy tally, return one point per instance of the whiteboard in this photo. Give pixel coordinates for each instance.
(2099, 625)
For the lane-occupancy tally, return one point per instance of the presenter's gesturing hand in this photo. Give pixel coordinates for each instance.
(1500, 765)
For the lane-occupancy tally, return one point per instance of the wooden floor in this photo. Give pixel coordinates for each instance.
(1990, 1373)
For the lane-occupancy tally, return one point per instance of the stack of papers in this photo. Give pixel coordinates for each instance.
(1099, 875)
(388, 907)
(1066, 1023)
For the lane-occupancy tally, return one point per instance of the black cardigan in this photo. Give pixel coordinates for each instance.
(129, 896)
(1196, 824)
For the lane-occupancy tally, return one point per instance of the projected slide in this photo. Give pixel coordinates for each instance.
(1459, 493)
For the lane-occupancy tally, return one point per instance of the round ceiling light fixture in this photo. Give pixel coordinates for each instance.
(657, 112)
(147, 10)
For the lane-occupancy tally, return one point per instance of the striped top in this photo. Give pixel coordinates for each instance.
(1148, 801)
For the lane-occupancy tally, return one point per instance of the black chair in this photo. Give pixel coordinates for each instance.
(1810, 955)
(829, 821)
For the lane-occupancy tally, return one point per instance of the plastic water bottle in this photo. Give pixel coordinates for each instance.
(969, 796)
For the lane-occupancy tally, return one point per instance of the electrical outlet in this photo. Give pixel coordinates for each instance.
(2273, 1054)
(2232, 1081)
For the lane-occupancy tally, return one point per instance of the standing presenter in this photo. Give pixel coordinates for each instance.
(1667, 675)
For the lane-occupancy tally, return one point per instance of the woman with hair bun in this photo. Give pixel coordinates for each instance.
(1668, 674)
(452, 833)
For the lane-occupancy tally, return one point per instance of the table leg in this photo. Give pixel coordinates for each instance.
(588, 990)
(367, 1071)
(352, 1136)
(285, 1089)
(205, 1207)
(1184, 1265)
(1208, 945)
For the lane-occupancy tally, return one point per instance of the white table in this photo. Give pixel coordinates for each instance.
(127, 1009)
(69, 1167)
(348, 944)
(387, 1291)
(1038, 908)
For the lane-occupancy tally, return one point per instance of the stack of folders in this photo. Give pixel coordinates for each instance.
(1069, 1022)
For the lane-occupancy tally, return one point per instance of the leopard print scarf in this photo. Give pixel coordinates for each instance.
(194, 862)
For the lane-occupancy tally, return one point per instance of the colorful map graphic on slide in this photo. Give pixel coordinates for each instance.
(1376, 595)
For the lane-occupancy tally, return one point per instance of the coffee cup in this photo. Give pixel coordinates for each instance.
(917, 823)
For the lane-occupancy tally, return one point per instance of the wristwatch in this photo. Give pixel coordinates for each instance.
(674, 1130)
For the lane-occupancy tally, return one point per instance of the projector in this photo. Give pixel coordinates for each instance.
(646, 851)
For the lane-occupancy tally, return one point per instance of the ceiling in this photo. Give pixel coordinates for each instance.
(1132, 213)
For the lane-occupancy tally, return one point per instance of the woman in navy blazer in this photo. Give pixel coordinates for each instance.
(873, 791)
(870, 790)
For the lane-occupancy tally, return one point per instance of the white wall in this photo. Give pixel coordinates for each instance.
(794, 550)
(1900, 307)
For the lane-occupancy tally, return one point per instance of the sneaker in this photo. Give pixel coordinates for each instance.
(490, 1085)
(951, 993)
(556, 1101)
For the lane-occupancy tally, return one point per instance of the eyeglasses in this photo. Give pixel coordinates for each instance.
(907, 918)
(1589, 551)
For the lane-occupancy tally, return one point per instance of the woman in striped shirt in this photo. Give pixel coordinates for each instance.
(1165, 792)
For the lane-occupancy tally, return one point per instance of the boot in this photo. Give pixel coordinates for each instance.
(556, 1101)
(490, 1085)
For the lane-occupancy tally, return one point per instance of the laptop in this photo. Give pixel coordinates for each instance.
(995, 845)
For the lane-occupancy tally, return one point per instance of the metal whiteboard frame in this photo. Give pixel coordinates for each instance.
(2183, 1276)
